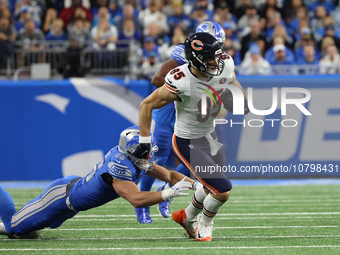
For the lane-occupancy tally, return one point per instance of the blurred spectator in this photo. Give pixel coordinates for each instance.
(229, 33)
(269, 4)
(85, 3)
(317, 22)
(198, 16)
(6, 13)
(294, 24)
(7, 36)
(255, 64)
(3, 5)
(306, 39)
(229, 48)
(330, 63)
(176, 39)
(152, 14)
(281, 31)
(253, 36)
(103, 12)
(79, 13)
(201, 5)
(270, 54)
(98, 4)
(309, 56)
(326, 41)
(244, 22)
(56, 33)
(275, 23)
(67, 13)
(129, 32)
(128, 14)
(222, 14)
(55, 4)
(150, 66)
(240, 10)
(281, 56)
(79, 33)
(161, 40)
(72, 64)
(166, 7)
(25, 15)
(328, 4)
(178, 17)
(36, 8)
(32, 39)
(51, 15)
(290, 9)
(148, 46)
(104, 35)
(327, 29)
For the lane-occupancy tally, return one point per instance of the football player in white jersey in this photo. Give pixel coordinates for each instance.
(198, 92)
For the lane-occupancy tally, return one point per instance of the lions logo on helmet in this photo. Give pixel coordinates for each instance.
(214, 29)
(198, 48)
(128, 142)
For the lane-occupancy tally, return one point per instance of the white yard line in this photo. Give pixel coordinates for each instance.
(170, 238)
(216, 218)
(174, 248)
(220, 214)
(173, 228)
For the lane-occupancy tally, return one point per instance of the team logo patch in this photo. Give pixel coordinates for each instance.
(196, 45)
(223, 80)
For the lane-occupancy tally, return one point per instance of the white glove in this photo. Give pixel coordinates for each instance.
(197, 185)
(176, 190)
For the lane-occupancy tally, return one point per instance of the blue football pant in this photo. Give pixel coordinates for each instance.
(47, 210)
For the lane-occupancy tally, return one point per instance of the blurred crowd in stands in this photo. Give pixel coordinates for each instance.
(260, 34)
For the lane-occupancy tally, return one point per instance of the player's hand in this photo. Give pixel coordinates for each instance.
(142, 150)
(177, 190)
(196, 185)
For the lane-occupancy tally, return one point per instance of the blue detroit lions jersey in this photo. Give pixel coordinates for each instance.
(91, 191)
(166, 115)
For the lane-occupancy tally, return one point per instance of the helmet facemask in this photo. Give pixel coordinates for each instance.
(128, 142)
(205, 64)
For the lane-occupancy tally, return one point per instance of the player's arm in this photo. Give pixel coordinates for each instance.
(165, 175)
(158, 99)
(158, 79)
(227, 96)
(129, 191)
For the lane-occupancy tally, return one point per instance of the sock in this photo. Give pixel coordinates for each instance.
(7, 209)
(146, 182)
(196, 205)
(210, 208)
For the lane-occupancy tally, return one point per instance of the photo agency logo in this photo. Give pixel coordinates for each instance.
(287, 96)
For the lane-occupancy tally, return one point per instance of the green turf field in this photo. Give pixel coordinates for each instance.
(256, 220)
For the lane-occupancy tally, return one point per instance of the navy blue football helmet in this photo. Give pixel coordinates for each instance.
(128, 142)
(199, 47)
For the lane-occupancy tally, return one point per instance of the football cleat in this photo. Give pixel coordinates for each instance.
(203, 232)
(31, 235)
(164, 207)
(189, 225)
(143, 215)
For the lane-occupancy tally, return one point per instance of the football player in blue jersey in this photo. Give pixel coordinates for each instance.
(164, 120)
(115, 176)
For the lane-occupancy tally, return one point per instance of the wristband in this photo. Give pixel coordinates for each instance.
(166, 195)
(144, 139)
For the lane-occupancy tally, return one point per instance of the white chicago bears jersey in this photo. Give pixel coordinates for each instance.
(199, 101)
